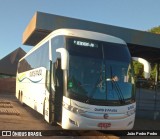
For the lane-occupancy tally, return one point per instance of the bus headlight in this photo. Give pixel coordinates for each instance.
(73, 109)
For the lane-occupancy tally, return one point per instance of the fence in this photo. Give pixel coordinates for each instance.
(148, 103)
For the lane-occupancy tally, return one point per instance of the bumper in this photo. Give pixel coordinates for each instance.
(73, 121)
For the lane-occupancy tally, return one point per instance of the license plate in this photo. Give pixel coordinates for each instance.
(104, 125)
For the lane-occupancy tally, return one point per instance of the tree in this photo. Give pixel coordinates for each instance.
(138, 69)
(155, 30)
(153, 71)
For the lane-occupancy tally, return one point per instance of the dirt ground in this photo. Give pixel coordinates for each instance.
(19, 117)
(14, 116)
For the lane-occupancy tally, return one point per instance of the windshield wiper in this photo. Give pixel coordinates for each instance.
(117, 88)
(119, 92)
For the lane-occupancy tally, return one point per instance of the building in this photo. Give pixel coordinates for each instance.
(8, 64)
(8, 69)
(141, 44)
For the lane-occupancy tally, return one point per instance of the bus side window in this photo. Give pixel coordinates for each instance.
(58, 74)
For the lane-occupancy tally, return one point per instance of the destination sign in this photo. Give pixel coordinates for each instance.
(85, 44)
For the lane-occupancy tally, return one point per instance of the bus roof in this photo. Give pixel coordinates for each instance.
(86, 34)
(78, 33)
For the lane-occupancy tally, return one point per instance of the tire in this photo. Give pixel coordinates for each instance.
(52, 118)
(21, 98)
(44, 109)
(19, 95)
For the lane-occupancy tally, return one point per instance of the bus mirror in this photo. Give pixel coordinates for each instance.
(147, 67)
(64, 58)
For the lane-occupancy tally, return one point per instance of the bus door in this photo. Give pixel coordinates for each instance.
(57, 95)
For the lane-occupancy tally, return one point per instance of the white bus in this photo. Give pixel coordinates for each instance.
(82, 80)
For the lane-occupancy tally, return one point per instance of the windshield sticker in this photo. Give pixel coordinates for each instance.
(85, 44)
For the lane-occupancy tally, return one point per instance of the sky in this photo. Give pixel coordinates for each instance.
(16, 14)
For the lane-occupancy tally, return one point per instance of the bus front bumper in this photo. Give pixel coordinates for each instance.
(74, 121)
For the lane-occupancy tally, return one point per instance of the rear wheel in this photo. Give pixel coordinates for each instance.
(20, 97)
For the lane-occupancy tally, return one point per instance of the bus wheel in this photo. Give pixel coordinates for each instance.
(21, 98)
(44, 110)
(19, 95)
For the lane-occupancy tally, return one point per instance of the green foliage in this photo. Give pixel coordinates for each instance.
(155, 30)
(138, 69)
(153, 71)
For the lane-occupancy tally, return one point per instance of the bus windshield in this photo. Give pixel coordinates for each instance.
(99, 71)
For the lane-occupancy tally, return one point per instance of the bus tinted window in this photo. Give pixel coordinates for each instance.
(36, 59)
(56, 42)
(84, 47)
(117, 52)
(98, 49)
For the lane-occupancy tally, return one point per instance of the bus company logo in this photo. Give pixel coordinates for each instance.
(110, 110)
(35, 73)
(105, 116)
(104, 125)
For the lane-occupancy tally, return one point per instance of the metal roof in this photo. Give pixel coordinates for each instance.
(140, 43)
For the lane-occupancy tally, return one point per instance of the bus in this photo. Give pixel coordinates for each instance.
(81, 80)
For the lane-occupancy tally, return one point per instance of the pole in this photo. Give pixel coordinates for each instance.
(155, 97)
(158, 70)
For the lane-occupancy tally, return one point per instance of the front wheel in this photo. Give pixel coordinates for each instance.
(46, 112)
(49, 114)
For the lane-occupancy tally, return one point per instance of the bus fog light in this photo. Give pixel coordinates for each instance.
(73, 122)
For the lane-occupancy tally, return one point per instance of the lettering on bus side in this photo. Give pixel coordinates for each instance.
(35, 73)
(131, 107)
(105, 110)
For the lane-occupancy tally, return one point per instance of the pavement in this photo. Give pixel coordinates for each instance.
(14, 116)
(148, 104)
